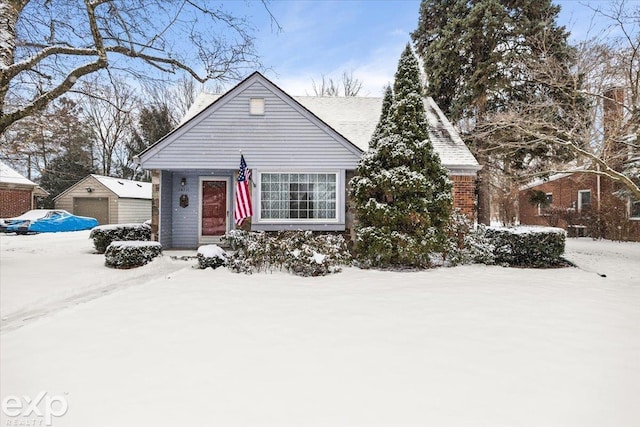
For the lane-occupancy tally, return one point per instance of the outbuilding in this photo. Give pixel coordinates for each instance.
(109, 200)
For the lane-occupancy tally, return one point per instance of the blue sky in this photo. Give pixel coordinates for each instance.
(326, 37)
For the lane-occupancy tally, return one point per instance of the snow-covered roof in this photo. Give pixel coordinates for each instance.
(126, 188)
(559, 175)
(10, 176)
(540, 181)
(356, 118)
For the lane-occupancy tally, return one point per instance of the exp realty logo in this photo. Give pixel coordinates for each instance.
(37, 411)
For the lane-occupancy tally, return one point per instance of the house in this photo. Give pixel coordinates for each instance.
(584, 204)
(302, 152)
(109, 200)
(18, 194)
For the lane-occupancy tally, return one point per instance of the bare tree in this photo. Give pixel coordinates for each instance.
(109, 114)
(598, 125)
(348, 85)
(28, 146)
(177, 97)
(47, 47)
(586, 121)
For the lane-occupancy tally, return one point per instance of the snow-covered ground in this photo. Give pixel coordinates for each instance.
(170, 345)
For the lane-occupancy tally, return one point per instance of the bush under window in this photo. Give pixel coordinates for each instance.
(299, 252)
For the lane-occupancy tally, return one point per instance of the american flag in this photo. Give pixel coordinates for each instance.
(243, 207)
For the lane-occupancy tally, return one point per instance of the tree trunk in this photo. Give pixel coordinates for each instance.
(9, 11)
(484, 194)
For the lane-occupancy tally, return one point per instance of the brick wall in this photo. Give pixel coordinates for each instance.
(14, 202)
(464, 198)
(155, 204)
(564, 193)
(464, 194)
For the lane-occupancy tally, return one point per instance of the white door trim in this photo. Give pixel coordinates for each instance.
(213, 239)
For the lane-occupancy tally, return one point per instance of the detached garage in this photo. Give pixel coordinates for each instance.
(109, 200)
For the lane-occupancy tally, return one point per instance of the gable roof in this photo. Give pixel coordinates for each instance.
(126, 188)
(9, 176)
(207, 104)
(122, 188)
(353, 119)
(356, 118)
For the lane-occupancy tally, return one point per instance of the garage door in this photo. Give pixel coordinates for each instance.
(95, 207)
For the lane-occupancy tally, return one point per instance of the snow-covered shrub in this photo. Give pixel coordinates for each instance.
(464, 245)
(131, 253)
(211, 256)
(103, 235)
(383, 247)
(538, 247)
(298, 252)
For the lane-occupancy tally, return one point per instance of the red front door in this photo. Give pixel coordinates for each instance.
(214, 208)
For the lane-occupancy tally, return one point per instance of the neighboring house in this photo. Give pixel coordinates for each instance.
(17, 193)
(302, 152)
(109, 200)
(584, 204)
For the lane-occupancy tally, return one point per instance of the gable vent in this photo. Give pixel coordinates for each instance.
(256, 106)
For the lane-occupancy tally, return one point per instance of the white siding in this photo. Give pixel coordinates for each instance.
(65, 200)
(286, 136)
(133, 210)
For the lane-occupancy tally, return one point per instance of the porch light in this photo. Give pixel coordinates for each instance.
(89, 189)
(183, 182)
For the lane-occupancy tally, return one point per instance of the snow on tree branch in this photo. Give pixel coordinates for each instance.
(43, 43)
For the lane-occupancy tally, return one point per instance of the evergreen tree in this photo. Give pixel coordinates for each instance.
(154, 122)
(402, 194)
(73, 137)
(382, 122)
(477, 56)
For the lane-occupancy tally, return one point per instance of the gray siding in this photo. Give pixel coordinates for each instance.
(286, 136)
(181, 224)
(133, 210)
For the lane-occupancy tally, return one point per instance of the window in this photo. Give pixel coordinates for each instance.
(298, 196)
(256, 106)
(635, 209)
(584, 199)
(542, 207)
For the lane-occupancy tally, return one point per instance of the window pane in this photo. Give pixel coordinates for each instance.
(298, 196)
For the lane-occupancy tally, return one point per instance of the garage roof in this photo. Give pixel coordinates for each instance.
(125, 188)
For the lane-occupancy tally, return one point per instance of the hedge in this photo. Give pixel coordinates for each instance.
(299, 252)
(528, 246)
(103, 235)
(131, 253)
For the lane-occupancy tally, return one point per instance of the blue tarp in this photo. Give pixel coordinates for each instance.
(57, 221)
